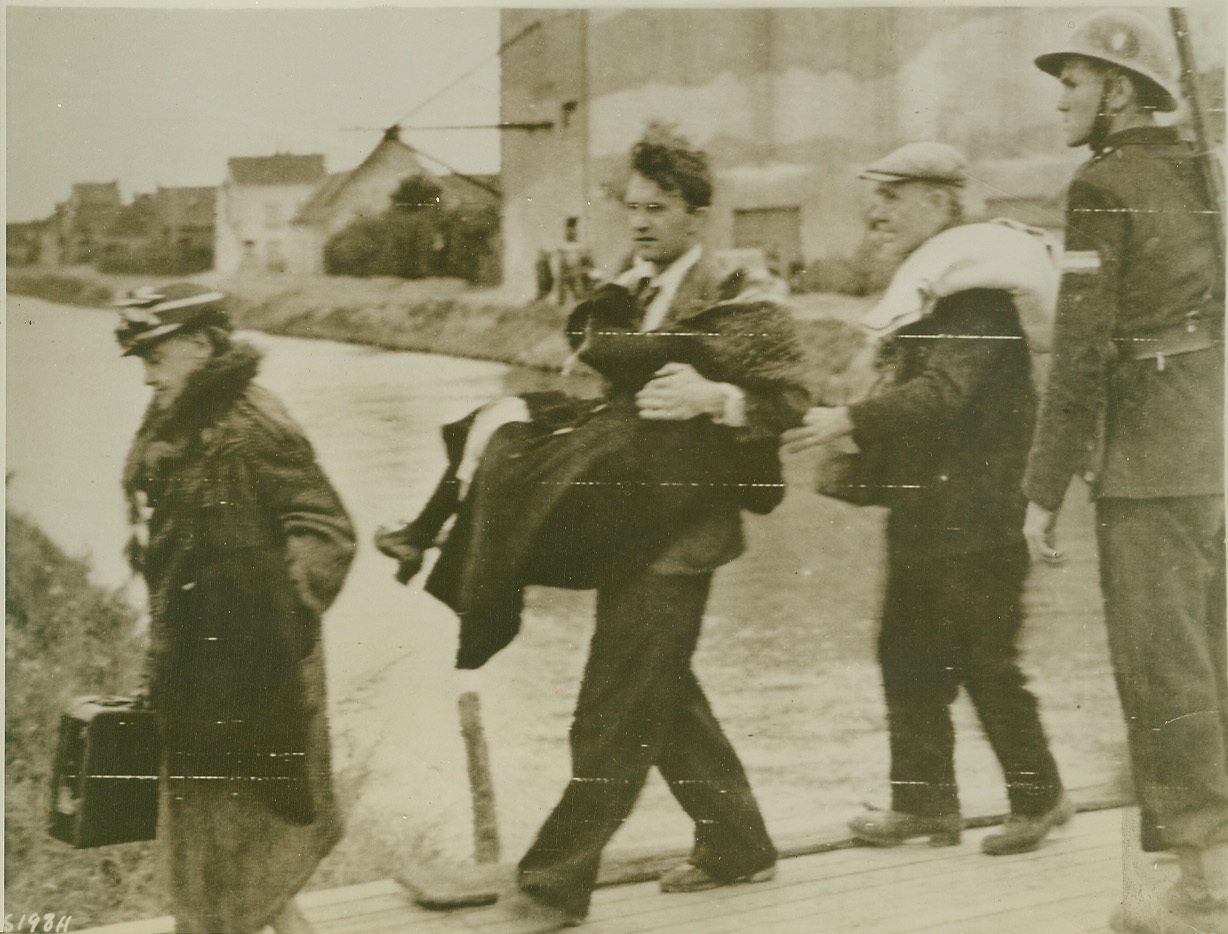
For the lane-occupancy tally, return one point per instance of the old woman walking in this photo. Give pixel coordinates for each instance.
(243, 544)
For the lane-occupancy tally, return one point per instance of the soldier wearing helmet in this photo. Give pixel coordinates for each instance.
(1105, 54)
(1135, 403)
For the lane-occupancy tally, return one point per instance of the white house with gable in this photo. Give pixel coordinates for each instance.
(255, 206)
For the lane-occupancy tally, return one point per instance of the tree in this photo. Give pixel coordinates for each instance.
(469, 239)
(357, 249)
(418, 236)
(417, 193)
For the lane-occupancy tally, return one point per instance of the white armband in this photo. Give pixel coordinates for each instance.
(1080, 262)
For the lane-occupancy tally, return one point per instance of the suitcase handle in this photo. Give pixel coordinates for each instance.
(108, 700)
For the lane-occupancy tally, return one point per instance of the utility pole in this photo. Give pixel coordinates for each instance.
(585, 132)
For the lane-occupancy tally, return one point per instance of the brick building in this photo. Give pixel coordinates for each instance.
(82, 223)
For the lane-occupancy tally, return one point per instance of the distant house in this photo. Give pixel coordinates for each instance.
(130, 237)
(255, 206)
(469, 191)
(49, 247)
(186, 225)
(169, 231)
(83, 221)
(23, 242)
(345, 197)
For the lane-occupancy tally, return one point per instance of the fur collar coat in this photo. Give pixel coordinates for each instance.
(243, 544)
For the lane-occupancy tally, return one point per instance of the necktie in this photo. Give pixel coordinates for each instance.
(645, 292)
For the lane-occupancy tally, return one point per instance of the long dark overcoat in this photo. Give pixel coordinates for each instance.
(588, 490)
(244, 544)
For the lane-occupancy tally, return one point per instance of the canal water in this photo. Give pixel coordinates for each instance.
(787, 655)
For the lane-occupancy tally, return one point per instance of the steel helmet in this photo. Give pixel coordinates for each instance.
(1126, 40)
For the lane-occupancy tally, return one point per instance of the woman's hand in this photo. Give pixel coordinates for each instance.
(1040, 530)
(821, 425)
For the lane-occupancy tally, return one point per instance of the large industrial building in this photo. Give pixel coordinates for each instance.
(788, 103)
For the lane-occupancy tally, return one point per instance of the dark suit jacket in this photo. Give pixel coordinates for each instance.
(1148, 281)
(761, 357)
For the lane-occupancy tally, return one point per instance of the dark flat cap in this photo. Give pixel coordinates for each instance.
(924, 162)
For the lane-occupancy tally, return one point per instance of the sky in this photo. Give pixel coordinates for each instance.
(163, 92)
(165, 95)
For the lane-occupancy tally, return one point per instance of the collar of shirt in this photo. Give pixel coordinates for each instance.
(668, 282)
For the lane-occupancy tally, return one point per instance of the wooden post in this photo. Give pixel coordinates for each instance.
(481, 788)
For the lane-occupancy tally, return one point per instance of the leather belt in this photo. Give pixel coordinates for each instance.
(1190, 337)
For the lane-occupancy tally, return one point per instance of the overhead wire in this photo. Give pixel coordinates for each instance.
(527, 31)
(459, 174)
(503, 47)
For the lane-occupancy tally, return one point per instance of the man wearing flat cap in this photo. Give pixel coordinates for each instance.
(243, 545)
(1135, 404)
(941, 442)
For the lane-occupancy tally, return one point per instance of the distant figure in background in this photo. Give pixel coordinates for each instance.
(575, 266)
(771, 258)
(943, 440)
(544, 274)
(243, 545)
(1138, 381)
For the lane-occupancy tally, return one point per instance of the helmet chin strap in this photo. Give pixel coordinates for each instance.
(1101, 125)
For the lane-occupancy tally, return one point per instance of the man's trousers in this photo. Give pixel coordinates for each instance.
(947, 622)
(640, 706)
(1162, 575)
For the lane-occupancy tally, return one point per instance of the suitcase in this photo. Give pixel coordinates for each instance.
(104, 785)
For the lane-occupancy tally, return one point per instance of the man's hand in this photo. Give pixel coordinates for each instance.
(1040, 529)
(397, 544)
(821, 425)
(677, 393)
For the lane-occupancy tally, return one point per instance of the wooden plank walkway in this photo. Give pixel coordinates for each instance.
(1066, 887)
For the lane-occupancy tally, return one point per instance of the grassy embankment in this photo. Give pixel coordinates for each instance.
(63, 637)
(66, 637)
(431, 316)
